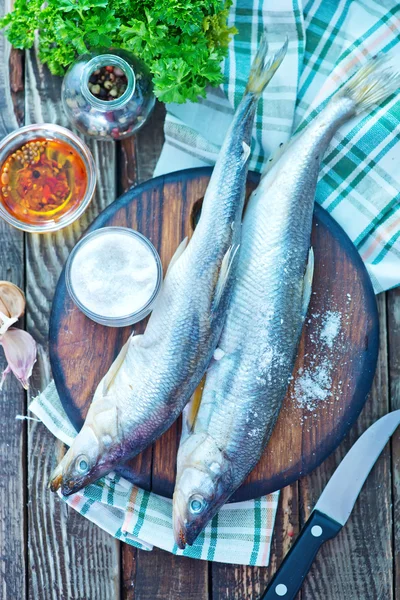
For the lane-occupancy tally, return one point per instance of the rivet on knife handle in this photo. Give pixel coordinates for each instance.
(290, 576)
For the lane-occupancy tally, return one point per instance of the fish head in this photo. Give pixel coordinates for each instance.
(203, 485)
(93, 453)
(98, 447)
(80, 466)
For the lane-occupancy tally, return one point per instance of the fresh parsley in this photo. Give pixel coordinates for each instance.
(182, 41)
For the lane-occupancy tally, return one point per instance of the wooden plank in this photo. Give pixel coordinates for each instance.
(69, 556)
(128, 571)
(393, 325)
(237, 582)
(358, 562)
(176, 578)
(127, 176)
(163, 576)
(12, 445)
(16, 63)
(13, 517)
(149, 142)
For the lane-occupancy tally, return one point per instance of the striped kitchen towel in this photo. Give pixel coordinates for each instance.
(328, 40)
(240, 534)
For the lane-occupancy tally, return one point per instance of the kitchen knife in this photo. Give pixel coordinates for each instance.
(332, 509)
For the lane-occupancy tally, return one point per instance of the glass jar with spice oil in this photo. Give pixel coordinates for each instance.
(47, 177)
(108, 94)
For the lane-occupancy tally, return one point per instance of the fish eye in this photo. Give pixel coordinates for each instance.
(196, 504)
(82, 464)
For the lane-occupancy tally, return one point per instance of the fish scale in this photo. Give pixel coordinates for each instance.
(245, 389)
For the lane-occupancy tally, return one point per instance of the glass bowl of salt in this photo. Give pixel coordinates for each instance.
(114, 275)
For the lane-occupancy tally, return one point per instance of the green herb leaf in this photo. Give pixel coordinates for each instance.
(182, 41)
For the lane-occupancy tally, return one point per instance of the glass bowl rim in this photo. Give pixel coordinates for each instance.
(108, 58)
(124, 320)
(85, 155)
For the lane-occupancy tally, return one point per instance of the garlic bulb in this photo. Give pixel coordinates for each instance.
(12, 305)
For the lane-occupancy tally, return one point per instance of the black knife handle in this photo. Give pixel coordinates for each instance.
(290, 576)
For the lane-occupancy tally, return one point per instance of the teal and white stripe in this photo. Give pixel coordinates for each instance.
(328, 40)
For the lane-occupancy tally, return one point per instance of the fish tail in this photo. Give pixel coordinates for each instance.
(264, 66)
(371, 84)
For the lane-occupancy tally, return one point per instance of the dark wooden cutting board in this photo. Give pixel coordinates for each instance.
(331, 378)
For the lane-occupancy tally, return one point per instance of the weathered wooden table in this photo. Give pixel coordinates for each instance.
(48, 551)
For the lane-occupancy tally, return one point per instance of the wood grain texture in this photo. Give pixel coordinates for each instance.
(17, 64)
(393, 330)
(149, 142)
(12, 445)
(240, 582)
(162, 210)
(358, 563)
(163, 576)
(13, 520)
(129, 571)
(70, 558)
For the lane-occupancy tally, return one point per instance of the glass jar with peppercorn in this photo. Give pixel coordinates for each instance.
(108, 95)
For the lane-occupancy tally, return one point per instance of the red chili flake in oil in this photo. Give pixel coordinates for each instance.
(42, 181)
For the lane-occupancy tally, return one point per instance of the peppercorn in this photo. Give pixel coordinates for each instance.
(107, 83)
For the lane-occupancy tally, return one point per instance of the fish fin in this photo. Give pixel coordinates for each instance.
(371, 84)
(264, 66)
(116, 365)
(246, 152)
(224, 271)
(191, 410)
(307, 283)
(178, 253)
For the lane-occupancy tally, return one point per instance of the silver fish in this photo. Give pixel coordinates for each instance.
(153, 378)
(224, 437)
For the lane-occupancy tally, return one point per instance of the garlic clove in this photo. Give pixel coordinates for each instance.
(13, 298)
(6, 322)
(21, 352)
(12, 305)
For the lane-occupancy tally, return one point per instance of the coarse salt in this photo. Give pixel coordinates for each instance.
(114, 275)
(313, 386)
(314, 383)
(330, 327)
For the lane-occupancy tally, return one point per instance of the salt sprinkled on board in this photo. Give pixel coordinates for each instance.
(330, 328)
(314, 384)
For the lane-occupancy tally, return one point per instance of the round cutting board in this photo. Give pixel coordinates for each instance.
(335, 364)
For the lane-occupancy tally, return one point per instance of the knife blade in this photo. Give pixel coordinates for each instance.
(332, 509)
